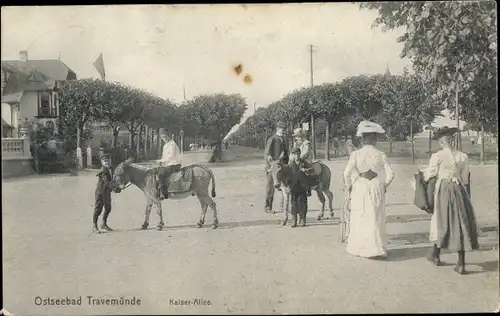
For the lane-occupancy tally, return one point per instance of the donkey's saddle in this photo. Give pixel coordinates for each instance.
(312, 169)
(181, 180)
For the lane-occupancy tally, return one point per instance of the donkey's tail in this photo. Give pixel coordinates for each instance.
(212, 177)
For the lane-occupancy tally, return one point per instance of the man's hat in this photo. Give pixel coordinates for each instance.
(444, 131)
(280, 124)
(163, 131)
(298, 132)
(105, 156)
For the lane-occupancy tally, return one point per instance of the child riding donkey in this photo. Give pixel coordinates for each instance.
(170, 163)
(305, 157)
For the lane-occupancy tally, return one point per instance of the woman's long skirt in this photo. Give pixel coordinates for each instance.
(367, 235)
(453, 224)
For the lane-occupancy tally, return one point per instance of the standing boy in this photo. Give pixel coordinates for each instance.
(298, 189)
(103, 190)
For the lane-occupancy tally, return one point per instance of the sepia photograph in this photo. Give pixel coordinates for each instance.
(279, 158)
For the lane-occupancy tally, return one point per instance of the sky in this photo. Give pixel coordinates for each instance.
(162, 48)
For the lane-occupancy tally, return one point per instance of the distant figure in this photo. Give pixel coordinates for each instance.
(349, 145)
(191, 147)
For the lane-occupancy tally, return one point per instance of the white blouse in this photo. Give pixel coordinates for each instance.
(364, 159)
(171, 154)
(448, 164)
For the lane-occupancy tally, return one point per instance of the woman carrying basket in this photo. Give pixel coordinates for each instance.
(453, 224)
(367, 176)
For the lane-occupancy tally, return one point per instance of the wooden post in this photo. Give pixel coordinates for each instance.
(430, 141)
(146, 138)
(482, 144)
(139, 140)
(458, 138)
(327, 141)
(182, 143)
(89, 157)
(390, 139)
(313, 137)
(412, 144)
(158, 145)
(79, 155)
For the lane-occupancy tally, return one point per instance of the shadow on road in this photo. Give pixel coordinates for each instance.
(407, 218)
(409, 253)
(488, 266)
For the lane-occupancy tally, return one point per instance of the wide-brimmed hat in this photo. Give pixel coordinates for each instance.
(369, 127)
(444, 131)
(280, 124)
(298, 132)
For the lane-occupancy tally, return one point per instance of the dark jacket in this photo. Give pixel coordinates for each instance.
(275, 146)
(298, 180)
(424, 193)
(104, 181)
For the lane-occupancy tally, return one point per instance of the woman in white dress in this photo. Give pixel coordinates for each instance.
(453, 224)
(367, 176)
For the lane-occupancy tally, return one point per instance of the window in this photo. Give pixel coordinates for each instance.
(54, 103)
(47, 104)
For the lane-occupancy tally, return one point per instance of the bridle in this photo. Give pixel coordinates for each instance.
(128, 183)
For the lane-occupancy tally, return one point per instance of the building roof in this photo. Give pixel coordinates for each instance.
(52, 68)
(12, 98)
(20, 81)
(27, 76)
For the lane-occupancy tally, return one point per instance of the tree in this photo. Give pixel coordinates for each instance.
(212, 116)
(453, 47)
(76, 101)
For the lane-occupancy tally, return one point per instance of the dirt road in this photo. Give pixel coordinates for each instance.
(248, 265)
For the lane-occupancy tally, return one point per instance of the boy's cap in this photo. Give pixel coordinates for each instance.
(105, 156)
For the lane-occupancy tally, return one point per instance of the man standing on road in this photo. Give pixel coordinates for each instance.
(276, 149)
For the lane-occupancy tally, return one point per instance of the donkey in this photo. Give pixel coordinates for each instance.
(192, 180)
(282, 174)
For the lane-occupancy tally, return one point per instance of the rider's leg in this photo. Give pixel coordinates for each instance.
(166, 174)
(159, 181)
